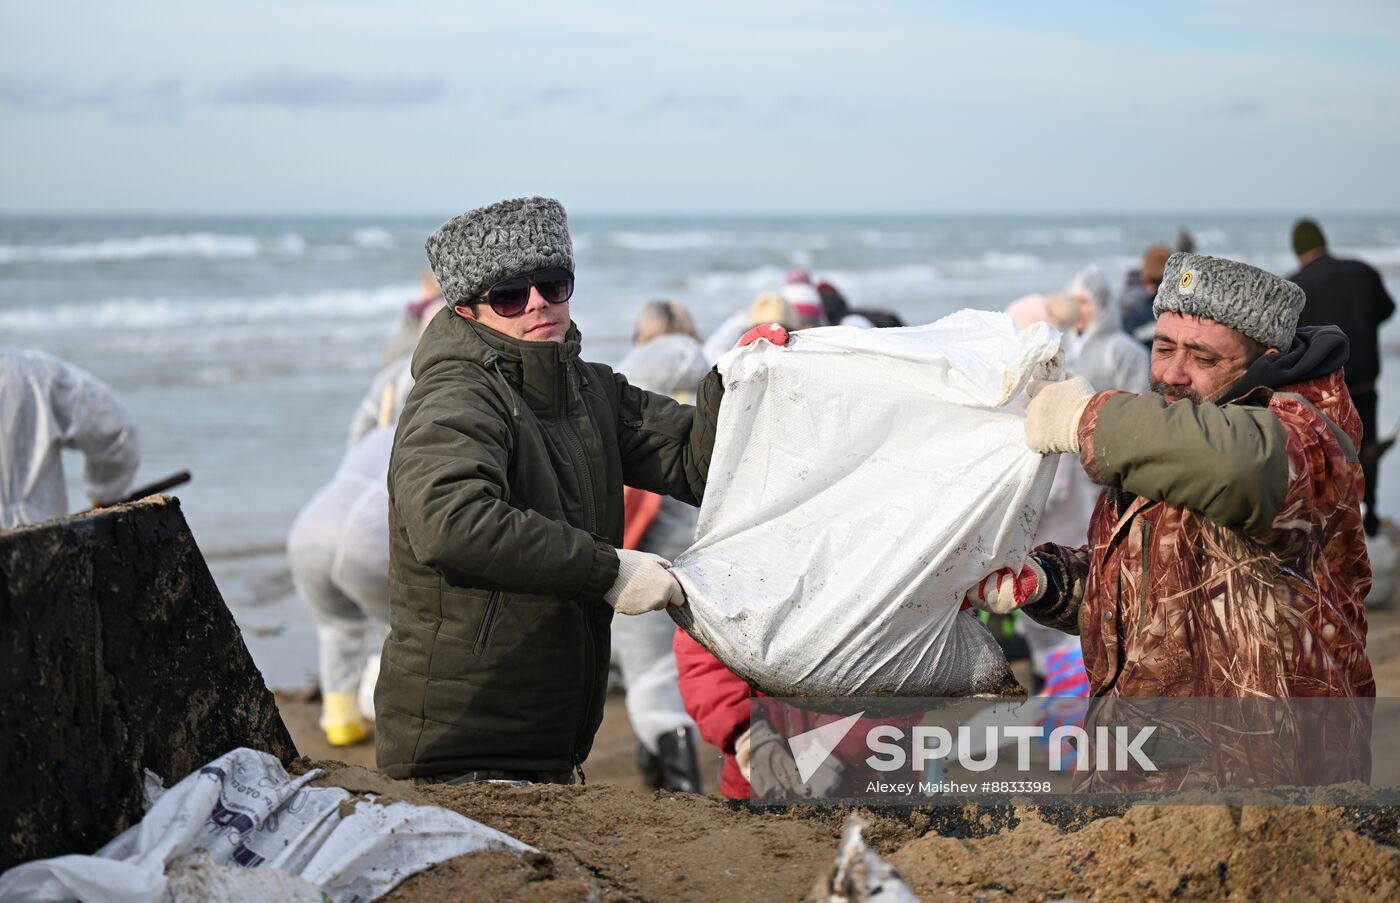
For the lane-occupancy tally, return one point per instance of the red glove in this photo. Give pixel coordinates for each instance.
(1004, 590)
(772, 332)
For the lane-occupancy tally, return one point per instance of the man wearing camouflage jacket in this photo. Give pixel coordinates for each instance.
(1225, 556)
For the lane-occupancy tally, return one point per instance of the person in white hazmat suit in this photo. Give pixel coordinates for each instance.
(1106, 355)
(666, 358)
(1108, 358)
(47, 405)
(338, 551)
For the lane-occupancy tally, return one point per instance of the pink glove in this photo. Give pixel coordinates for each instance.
(772, 332)
(1004, 590)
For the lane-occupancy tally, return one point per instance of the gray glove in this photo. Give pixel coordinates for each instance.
(768, 766)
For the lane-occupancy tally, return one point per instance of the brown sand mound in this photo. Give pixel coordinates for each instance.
(608, 842)
(611, 842)
(1163, 852)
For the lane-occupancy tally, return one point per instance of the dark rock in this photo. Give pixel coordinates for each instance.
(117, 654)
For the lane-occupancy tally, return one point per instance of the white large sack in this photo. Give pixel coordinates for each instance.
(861, 481)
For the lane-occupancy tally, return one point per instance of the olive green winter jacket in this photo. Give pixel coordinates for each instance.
(505, 510)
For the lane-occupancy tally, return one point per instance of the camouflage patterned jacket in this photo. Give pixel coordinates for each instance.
(1226, 557)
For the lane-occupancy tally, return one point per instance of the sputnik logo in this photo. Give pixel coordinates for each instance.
(811, 748)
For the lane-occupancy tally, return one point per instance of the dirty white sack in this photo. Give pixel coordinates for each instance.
(243, 810)
(862, 481)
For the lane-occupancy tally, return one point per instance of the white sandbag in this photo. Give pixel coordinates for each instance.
(243, 810)
(862, 480)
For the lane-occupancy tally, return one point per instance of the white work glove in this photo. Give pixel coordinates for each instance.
(644, 583)
(1052, 417)
(1004, 590)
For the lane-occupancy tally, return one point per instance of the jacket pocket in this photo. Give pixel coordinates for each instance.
(483, 633)
(1146, 578)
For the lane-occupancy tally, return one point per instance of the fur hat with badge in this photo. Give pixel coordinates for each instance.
(472, 252)
(1247, 299)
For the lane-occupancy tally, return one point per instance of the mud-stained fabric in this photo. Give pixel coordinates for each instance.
(1170, 602)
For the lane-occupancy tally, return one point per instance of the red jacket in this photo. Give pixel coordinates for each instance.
(718, 700)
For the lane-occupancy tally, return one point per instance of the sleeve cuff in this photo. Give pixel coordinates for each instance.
(602, 574)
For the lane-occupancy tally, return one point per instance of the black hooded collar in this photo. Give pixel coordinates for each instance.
(1316, 351)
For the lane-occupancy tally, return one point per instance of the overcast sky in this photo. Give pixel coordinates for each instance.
(718, 107)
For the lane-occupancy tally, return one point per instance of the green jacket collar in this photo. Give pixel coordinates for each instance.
(536, 372)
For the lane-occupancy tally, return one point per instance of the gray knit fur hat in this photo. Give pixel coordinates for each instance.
(472, 252)
(1244, 298)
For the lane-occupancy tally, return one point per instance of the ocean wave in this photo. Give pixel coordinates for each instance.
(883, 280)
(670, 241)
(1377, 256)
(999, 262)
(159, 313)
(878, 238)
(1209, 237)
(748, 284)
(1098, 235)
(1073, 235)
(289, 245)
(145, 247)
(373, 237)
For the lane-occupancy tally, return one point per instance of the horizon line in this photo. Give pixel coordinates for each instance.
(697, 214)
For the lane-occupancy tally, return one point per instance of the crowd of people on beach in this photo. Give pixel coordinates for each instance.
(500, 500)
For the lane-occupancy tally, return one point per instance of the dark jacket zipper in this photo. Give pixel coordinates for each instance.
(590, 658)
(576, 444)
(483, 634)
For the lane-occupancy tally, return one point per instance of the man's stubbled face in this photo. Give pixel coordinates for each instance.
(1197, 359)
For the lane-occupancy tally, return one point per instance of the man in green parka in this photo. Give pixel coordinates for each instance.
(505, 514)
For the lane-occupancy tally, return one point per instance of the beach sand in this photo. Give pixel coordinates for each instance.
(616, 840)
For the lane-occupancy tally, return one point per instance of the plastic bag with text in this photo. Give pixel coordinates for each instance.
(244, 811)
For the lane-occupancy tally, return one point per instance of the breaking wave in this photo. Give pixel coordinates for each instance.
(162, 313)
(204, 245)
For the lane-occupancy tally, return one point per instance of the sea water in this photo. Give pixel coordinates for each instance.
(242, 345)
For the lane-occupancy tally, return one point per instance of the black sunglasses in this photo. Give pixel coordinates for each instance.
(509, 297)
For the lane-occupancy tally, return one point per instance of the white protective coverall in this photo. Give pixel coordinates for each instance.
(338, 547)
(1107, 356)
(672, 365)
(1109, 359)
(47, 405)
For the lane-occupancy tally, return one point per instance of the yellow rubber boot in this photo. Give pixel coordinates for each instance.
(341, 719)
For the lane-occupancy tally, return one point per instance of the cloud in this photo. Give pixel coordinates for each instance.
(156, 100)
(293, 89)
(168, 99)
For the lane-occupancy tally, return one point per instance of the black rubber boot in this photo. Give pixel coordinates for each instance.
(679, 762)
(650, 767)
